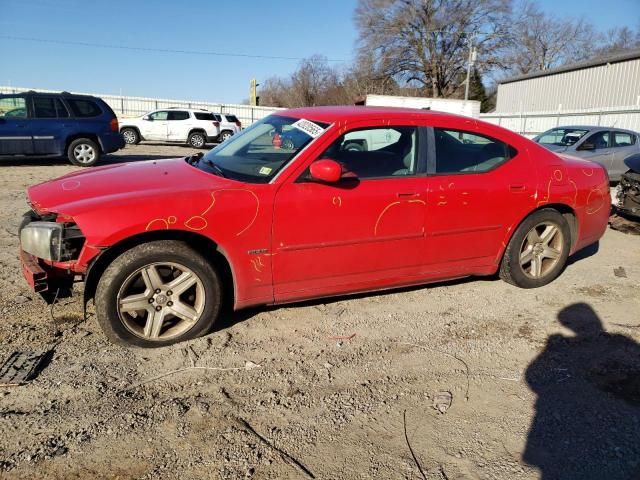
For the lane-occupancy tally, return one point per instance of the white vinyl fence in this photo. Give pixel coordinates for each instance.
(531, 124)
(125, 106)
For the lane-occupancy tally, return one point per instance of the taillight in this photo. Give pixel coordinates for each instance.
(239, 124)
(216, 124)
(113, 124)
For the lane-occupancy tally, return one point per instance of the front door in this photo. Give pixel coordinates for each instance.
(363, 232)
(155, 126)
(15, 139)
(478, 188)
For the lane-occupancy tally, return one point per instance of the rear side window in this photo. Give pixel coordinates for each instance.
(47, 107)
(623, 139)
(204, 116)
(178, 115)
(84, 108)
(232, 118)
(13, 107)
(465, 152)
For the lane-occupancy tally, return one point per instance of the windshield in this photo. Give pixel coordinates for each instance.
(258, 153)
(562, 137)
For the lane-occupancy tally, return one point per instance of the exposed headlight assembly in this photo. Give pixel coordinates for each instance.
(51, 241)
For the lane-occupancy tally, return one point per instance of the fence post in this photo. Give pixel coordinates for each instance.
(121, 105)
(252, 119)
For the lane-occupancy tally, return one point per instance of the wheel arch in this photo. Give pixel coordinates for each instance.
(204, 245)
(197, 130)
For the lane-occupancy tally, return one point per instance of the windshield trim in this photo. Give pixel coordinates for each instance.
(293, 159)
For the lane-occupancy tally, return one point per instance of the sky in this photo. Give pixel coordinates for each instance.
(254, 28)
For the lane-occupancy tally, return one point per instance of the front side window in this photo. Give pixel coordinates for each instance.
(178, 115)
(623, 139)
(561, 137)
(84, 108)
(262, 150)
(465, 152)
(161, 115)
(598, 140)
(13, 107)
(377, 152)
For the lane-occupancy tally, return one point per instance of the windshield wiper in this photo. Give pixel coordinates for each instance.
(215, 167)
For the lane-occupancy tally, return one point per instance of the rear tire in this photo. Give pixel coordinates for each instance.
(83, 152)
(157, 294)
(538, 251)
(197, 140)
(225, 135)
(130, 136)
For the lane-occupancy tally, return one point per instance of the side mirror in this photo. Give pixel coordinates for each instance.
(587, 146)
(148, 118)
(326, 170)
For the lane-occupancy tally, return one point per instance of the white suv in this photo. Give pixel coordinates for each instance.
(183, 125)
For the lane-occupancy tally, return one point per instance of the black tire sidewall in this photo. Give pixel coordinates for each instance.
(80, 141)
(131, 260)
(512, 271)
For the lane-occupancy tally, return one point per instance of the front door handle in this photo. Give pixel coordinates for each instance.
(408, 194)
(517, 187)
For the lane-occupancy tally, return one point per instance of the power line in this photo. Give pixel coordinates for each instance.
(155, 50)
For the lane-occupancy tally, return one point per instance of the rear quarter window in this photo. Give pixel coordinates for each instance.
(205, 116)
(232, 118)
(84, 108)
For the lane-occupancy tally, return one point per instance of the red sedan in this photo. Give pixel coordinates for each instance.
(309, 203)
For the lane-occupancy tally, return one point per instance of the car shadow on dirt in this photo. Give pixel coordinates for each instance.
(587, 418)
(586, 252)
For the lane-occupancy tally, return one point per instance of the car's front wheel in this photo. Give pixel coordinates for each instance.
(538, 250)
(130, 136)
(83, 152)
(157, 294)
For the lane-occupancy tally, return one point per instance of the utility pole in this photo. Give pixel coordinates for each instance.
(254, 99)
(472, 59)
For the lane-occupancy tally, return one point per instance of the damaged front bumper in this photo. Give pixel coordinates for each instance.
(629, 194)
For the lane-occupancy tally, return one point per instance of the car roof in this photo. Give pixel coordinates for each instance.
(357, 112)
(33, 93)
(593, 128)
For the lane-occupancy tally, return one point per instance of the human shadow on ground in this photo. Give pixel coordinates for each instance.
(587, 419)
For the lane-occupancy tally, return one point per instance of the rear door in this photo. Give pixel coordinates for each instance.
(49, 126)
(14, 136)
(178, 125)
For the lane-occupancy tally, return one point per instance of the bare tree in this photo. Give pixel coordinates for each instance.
(540, 42)
(620, 39)
(426, 42)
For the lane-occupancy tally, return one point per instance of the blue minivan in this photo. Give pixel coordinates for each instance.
(80, 127)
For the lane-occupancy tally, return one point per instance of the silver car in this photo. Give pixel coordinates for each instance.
(607, 146)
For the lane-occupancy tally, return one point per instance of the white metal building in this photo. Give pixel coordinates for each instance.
(607, 82)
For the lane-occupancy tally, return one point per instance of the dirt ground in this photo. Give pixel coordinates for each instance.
(545, 383)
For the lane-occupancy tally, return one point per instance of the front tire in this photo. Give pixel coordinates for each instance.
(538, 251)
(197, 140)
(130, 136)
(157, 294)
(83, 152)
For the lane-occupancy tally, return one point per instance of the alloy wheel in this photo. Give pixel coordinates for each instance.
(129, 137)
(197, 141)
(161, 301)
(541, 250)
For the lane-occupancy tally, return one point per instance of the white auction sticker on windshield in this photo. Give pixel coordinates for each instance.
(308, 127)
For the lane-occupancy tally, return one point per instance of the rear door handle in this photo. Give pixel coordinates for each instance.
(408, 194)
(517, 187)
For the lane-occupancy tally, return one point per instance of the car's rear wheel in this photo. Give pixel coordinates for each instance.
(538, 250)
(83, 152)
(196, 140)
(130, 136)
(226, 135)
(157, 294)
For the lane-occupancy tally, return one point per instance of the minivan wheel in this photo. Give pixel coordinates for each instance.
(83, 152)
(196, 140)
(226, 135)
(130, 136)
(157, 294)
(538, 250)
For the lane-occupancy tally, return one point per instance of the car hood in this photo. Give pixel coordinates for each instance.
(153, 180)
